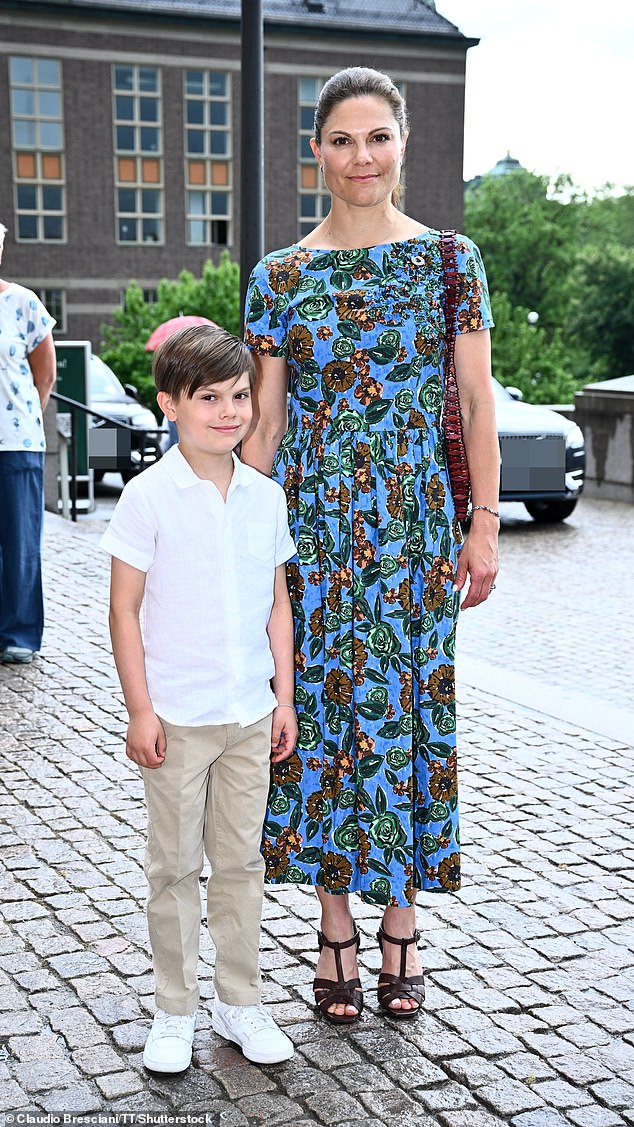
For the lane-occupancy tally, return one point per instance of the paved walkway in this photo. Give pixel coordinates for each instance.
(529, 1017)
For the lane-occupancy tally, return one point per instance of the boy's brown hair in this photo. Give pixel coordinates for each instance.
(198, 356)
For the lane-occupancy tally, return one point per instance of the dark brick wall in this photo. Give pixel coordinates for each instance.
(434, 186)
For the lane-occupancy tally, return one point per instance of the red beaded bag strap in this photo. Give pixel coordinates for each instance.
(457, 464)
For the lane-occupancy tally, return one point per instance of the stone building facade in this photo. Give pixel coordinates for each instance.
(122, 122)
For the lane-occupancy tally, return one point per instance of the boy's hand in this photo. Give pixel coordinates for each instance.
(145, 742)
(283, 733)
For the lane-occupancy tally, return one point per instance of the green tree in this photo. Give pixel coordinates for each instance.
(601, 311)
(526, 356)
(568, 256)
(528, 238)
(216, 295)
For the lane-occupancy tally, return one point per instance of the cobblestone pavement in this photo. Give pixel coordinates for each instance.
(529, 1018)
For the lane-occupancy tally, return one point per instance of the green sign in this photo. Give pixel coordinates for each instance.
(73, 360)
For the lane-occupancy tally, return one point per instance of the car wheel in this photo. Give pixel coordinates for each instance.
(549, 512)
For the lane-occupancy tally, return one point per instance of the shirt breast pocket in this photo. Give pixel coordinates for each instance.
(261, 541)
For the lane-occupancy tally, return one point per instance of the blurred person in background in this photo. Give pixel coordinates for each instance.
(27, 376)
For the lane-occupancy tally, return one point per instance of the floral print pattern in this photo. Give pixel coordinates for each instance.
(24, 322)
(369, 801)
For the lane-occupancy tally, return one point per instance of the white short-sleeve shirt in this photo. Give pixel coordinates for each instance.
(210, 569)
(24, 322)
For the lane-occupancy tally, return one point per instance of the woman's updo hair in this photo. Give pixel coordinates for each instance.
(359, 82)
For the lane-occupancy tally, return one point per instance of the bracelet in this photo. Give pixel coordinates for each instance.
(485, 509)
(286, 706)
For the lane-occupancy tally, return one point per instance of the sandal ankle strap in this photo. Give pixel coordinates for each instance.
(383, 934)
(335, 945)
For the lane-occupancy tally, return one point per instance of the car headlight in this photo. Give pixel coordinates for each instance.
(574, 438)
(143, 419)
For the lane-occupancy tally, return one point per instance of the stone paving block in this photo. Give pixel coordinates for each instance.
(396, 1107)
(585, 1035)
(78, 964)
(464, 1019)
(545, 1117)
(440, 1045)
(267, 1109)
(118, 1084)
(545, 1044)
(362, 1078)
(617, 1055)
(518, 1023)
(446, 1097)
(19, 1023)
(474, 1071)
(12, 1096)
(42, 1075)
(78, 1099)
(615, 1019)
(299, 1081)
(509, 1097)
(594, 1116)
(335, 1106)
(336, 1052)
(96, 1060)
(11, 999)
(245, 1080)
(414, 1072)
(581, 1068)
(493, 1042)
(111, 1009)
(560, 1094)
(45, 1046)
(615, 1093)
(77, 1027)
(476, 1118)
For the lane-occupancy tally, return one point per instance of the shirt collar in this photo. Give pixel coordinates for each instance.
(181, 472)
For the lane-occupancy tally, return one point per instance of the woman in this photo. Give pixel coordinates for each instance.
(349, 322)
(27, 375)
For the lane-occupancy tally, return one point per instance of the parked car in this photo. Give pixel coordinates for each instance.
(543, 456)
(107, 395)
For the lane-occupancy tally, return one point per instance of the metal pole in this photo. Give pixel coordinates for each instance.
(251, 141)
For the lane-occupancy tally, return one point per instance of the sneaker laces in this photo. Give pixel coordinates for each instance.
(174, 1025)
(256, 1017)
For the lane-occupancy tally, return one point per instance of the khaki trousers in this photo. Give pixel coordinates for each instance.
(209, 794)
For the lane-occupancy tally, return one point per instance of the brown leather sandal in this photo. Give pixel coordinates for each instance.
(346, 993)
(392, 986)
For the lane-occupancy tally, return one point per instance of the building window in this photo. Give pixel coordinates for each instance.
(55, 302)
(37, 133)
(138, 147)
(313, 199)
(208, 158)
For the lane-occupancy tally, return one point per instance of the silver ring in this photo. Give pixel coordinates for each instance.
(492, 587)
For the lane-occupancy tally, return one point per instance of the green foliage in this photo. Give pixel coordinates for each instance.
(526, 356)
(216, 295)
(567, 256)
(602, 309)
(526, 238)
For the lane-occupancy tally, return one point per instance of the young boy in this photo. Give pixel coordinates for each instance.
(201, 542)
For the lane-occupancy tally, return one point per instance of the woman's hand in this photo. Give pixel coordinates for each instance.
(478, 559)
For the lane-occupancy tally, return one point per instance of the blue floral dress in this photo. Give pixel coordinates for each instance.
(369, 801)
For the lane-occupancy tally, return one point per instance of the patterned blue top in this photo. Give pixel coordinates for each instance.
(24, 323)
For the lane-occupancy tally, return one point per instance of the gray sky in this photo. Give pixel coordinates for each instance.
(551, 81)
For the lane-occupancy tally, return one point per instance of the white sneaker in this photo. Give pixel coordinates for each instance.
(253, 1029)
(169, 1046)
